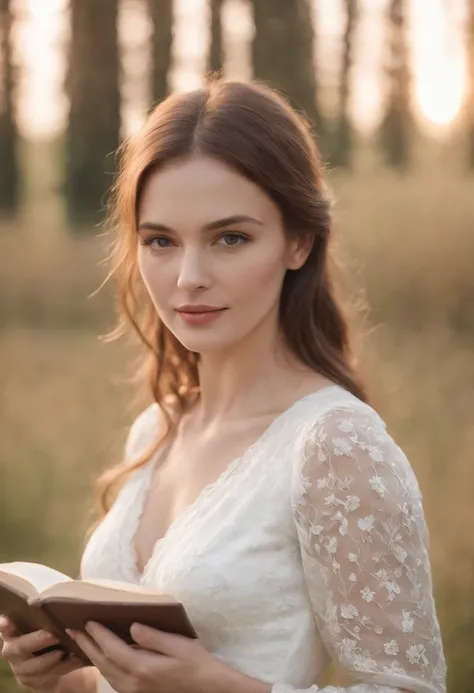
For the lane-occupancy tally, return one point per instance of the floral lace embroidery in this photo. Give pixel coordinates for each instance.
(364, 543)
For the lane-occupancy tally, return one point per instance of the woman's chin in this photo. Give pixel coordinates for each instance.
(208, 342)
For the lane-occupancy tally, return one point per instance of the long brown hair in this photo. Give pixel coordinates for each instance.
(253, 129)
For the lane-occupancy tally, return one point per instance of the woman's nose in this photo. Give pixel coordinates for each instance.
(193, 271)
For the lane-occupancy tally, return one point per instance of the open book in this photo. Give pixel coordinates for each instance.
(35, 597)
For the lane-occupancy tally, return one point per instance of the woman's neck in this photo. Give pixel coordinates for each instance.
(253, 380)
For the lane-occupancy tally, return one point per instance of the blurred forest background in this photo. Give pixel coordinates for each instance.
(396, 128)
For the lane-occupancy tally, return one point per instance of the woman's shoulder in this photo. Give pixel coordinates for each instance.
(334, 404)
(143, 431)
(326, 413)
(349, 438)
(336, 418)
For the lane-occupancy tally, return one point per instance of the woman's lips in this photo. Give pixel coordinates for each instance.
(203, 318)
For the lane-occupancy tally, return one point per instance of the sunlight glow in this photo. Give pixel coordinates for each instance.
(436, 44)
(41, 35)
(440, 93)
(438, 60)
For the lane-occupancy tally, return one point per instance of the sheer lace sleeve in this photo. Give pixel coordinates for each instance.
(364, 545)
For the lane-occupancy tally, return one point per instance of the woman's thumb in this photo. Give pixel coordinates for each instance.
(7, 628)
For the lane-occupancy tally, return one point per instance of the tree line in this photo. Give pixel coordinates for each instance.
(283, 55)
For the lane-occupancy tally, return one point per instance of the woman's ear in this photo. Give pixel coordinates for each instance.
(298, 250)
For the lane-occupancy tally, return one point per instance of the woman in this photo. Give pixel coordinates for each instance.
(260, 488)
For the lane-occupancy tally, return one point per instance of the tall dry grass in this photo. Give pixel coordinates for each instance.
(408, 245)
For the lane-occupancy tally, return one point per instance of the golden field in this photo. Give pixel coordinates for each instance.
(66, 398)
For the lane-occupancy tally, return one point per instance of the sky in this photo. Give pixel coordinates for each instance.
(436, 41)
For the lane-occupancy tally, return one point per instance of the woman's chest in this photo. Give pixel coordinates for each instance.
(233, 565)
(232, 557)
(188, 470)
(235, 524)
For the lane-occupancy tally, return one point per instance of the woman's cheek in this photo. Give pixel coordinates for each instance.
(264, 273)
(154, 277)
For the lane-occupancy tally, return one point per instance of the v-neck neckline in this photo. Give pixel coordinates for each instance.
(206, 492)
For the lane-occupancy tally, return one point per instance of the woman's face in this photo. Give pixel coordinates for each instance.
(209, 238)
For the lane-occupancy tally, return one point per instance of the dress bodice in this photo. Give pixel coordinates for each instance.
(309, 547)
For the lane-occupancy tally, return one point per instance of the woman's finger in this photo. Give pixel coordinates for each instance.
(38, 665)
(46, 664)
(107, 667)
(30, 680)
(25, 645)
(113, 647)
(90, 648)
(7, 629)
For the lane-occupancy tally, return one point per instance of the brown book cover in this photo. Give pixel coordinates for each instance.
(36, 597)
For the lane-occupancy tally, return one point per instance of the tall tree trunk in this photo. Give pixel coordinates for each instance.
(470, 77)
(397, 123)
(283, 53)
(342, 151)
(215, 60)
(94, 116)
(161, 15)
(9, 165)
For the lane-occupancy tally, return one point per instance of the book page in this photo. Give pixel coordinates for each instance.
(40, 576)
(102, 590)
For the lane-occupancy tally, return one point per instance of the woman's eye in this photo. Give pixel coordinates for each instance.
(229, 240)
(161, 242)
(233, 238)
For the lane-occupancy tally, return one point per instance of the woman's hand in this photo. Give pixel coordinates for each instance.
(40, 672)
(163, 662)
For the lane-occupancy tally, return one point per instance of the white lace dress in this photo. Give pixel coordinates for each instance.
(311, 546)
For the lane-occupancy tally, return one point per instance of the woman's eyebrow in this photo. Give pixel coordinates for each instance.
(211, 226)
(229, 221)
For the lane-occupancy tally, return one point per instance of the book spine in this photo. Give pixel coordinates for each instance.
(52, 625)
(42, 618)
